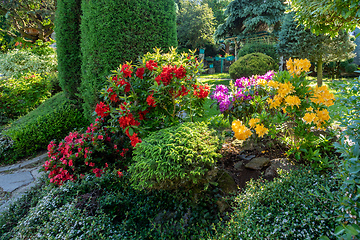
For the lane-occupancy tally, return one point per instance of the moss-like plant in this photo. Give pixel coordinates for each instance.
(252, 64)
(182, 156)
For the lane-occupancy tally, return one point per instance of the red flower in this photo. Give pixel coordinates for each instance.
(127, 121)
(126, 69)
(122, 82)
(120, 174)
(134, 140)
(180, 72)
(151, 65)
(158, 79)
(140, 73)
(97, 172)
(142, 114)
(102, 109)
(201, 91)
(151, 101)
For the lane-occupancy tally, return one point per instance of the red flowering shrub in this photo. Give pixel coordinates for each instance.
(139, 99)
(91, 151)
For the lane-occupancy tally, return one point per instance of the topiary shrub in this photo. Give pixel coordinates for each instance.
(268, 49)
(252, 64)
(120, 33)
(67, 22)
(177, 157)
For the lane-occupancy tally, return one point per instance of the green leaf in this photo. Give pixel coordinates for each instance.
(323, 238)
(351, 230)
(339, 230)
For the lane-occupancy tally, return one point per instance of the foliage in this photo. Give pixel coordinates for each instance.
(122, 33)
(195, 25)
(67, 21)
(177, 157)
(268, 49)
(36, 135)
(33, 19)
(296, 205)
(20, 96)
(252, 64)
(349, 147)
(6, 144)
(245, 16)
(16, 63)
(295, 41)
(327, 16)
(335, 69)
(106, 208)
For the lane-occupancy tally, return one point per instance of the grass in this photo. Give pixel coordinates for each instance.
(216, 76)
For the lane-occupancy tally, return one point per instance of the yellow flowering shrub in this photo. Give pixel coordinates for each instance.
(289, 99)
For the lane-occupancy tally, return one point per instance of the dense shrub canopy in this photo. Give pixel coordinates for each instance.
(68, 17)
(115, 31)
(252, 64)
(265, 48)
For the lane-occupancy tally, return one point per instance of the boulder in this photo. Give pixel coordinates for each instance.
(258, 163)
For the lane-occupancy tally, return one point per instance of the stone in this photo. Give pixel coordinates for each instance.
(249, 157)
(222, 205)
(10, 182)
(238, 165)
(226, 182)
(279, 163)
(258, 163)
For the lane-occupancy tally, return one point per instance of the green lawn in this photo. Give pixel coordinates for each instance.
(216, 76)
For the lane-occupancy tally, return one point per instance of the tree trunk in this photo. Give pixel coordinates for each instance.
(319, 72)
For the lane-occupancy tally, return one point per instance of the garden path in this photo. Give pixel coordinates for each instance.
(17, 179)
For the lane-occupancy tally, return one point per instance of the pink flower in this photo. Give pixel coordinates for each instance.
(120, 174)
(71, 162)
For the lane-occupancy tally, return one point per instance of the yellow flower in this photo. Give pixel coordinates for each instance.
(241, 131)
(261, 82)
(273, 84)
(261, 130)
(321, 95)
(309, 109)
(276, 102)
(285, 89)
(297, 66)
(292, 101)
(309, 117)
(323, 115)
(253, 122)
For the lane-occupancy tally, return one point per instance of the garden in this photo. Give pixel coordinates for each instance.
(142, 144)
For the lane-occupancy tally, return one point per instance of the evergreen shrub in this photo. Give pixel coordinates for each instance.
(67, 22)
(115, 31)
(177, 157)
(252, 64)
(265, 48)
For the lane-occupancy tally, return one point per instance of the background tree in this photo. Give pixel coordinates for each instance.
(327, 16)
(248, 16)
(67, 21)
(195, 24)
(33, 19)
(218, 7)
(115, 31)
(298, 42)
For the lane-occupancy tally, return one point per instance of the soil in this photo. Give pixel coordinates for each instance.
(236, 154)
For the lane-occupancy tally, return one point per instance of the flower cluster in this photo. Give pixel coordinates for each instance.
(298, 66)
(84, 152)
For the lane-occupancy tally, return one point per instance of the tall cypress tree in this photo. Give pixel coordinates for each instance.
(115, 31)
(67, 22)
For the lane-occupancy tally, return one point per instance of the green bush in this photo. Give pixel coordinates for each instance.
(105, 208)
(34, 135)
(268, 49)
(252, 64)
(16, 63)
(122, 32)
(297, 205)
(20, 95)
(67, 22)
(181, 156)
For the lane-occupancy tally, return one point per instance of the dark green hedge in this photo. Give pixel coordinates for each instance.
(67, 22)
(115, 31)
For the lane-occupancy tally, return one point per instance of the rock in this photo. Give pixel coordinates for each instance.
(238, 165)
(279, 163)
(10, 182)
(258, 163)
(249, 157)
(226, 182)
(242, 156)
(222, 205)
